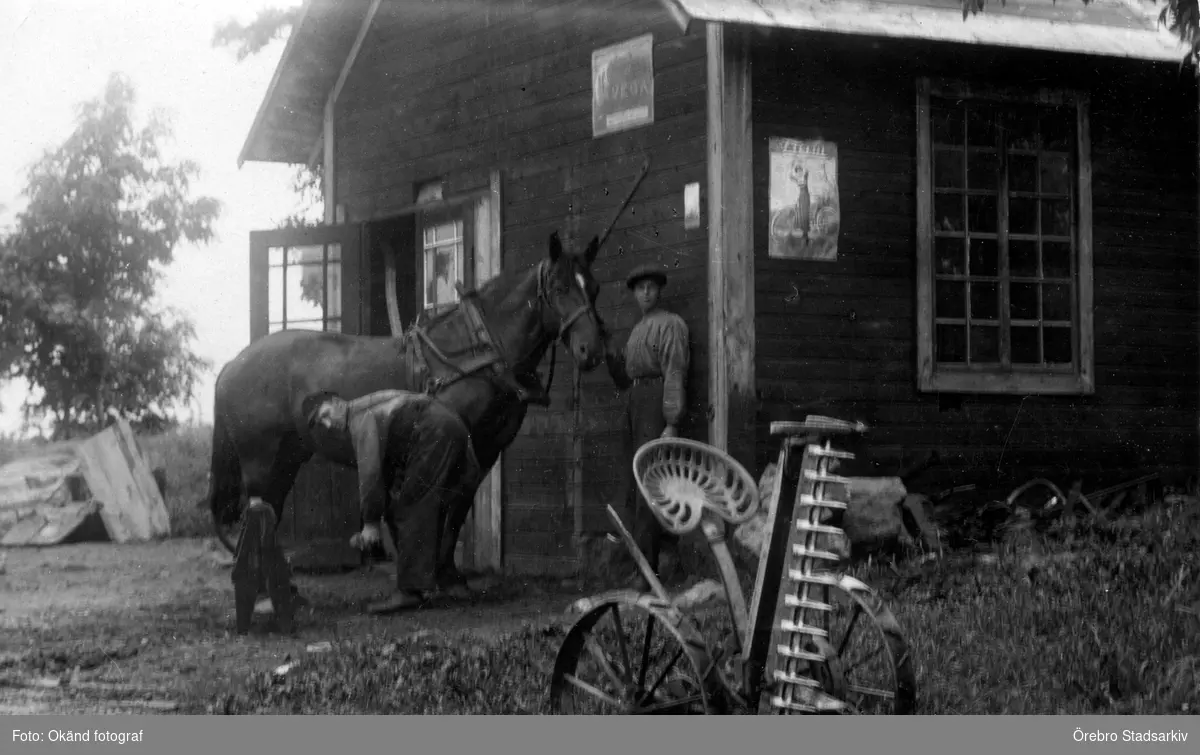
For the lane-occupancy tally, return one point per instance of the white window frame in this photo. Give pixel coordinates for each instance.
(428, 249)
(329, 261)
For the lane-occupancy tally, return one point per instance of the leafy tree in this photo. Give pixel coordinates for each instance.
(1181, 17)
(250, 39)
(105, 214)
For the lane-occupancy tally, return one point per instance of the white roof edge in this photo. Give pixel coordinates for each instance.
(265, 104)
(945, 25)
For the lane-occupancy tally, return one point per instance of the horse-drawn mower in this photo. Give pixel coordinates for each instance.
(812, 640)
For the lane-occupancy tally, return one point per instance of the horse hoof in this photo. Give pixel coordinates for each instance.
(401, 601)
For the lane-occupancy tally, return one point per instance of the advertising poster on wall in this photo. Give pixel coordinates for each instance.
(623, 86)
(804, 208)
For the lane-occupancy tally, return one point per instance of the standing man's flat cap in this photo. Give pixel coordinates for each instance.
(641, 272)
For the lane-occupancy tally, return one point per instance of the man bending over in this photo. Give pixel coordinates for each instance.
(418, 449)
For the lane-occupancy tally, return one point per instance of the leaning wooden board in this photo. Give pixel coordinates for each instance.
(120, 478)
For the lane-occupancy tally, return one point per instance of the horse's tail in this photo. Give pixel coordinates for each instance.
(225, 473)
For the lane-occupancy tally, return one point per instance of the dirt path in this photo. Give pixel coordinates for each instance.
(148, 627)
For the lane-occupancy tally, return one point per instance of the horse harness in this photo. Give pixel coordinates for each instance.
(483, 340)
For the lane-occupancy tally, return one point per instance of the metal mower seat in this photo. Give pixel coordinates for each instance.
(681, 479)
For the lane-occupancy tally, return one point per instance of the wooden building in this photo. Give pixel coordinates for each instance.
(977, 235)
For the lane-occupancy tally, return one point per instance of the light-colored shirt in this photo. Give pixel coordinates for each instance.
(657, 346)
(368, 420)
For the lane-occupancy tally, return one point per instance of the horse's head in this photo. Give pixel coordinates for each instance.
(570, 291)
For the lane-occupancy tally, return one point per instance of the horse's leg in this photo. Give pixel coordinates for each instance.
(258, 461)
(457, 504)
(288, 457)
(458, 507)
(488, 445)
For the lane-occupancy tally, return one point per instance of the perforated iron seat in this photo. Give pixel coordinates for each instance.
(681, 479)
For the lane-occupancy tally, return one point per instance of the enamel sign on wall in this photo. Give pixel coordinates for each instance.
(623, 86)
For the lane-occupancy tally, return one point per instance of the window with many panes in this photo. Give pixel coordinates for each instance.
(304, 288)
(442, 245)
(1004, 292)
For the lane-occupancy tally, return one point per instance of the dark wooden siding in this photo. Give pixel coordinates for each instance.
(840, 336)
(456, 90)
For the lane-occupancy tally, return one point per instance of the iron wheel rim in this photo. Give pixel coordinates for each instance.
(650, 662)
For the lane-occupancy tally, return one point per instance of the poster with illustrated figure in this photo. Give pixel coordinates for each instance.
(804, 210)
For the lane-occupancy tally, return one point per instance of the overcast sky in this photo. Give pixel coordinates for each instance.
(55, 54)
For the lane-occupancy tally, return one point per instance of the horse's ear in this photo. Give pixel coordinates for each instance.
(555, 247)
(593, 248)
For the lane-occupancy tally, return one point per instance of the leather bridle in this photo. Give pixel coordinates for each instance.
(565, 323)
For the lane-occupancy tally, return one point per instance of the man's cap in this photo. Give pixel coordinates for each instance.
(315, 401)
(641, 272)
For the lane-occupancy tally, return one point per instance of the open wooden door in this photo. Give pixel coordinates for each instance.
(312, 279)
(485, 524)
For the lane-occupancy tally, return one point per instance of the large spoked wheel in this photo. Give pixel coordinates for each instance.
(634, 655)
(227, 531)
(869, 665)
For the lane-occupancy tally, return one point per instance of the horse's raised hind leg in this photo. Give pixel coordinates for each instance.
(285, 468)
(273, 480)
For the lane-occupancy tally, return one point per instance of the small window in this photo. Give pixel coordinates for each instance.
(442, 253)
(304, 288)
(1004, 292)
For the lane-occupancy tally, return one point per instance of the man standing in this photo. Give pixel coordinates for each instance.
(653, 368)
(418, 448)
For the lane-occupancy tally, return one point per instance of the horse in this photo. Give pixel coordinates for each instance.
(479, 357)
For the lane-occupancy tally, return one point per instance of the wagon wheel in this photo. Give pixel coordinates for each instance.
(634, 656)
(782, 224)
(869, 664)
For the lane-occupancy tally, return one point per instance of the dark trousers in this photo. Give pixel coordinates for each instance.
(643, 423)
(430, 477)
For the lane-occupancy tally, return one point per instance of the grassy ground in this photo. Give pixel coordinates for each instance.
(185, 455)
(1105, 623)
(1094, 628)
(97, 628)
